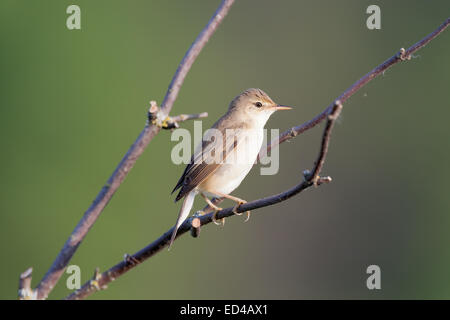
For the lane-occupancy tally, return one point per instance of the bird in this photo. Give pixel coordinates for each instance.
(214, 169)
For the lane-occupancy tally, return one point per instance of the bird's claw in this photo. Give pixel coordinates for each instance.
(222, 221)
(240, 214)
(235, 209)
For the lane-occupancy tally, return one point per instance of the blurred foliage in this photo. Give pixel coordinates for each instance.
(72, 102)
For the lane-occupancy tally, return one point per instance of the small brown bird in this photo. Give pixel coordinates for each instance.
(214, 169)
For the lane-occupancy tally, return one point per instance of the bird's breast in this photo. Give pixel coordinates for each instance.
(229, 175)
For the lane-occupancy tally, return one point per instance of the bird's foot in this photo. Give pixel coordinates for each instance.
(222, 221)
(241, 202)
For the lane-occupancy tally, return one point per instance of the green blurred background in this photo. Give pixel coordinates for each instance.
(72, 102)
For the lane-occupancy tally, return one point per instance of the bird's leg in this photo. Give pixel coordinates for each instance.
(208, 208)
(216, 209)
(239, 202)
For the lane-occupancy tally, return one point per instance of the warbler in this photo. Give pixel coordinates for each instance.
(210, 171)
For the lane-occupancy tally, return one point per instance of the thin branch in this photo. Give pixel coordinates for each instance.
(310, 177)
(193, 224)
(126, 164)
(192, 54)
(184, 117)
(335, 112)
(402, 55)
(155, 117)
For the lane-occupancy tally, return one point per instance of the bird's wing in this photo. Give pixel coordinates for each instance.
(204, 163)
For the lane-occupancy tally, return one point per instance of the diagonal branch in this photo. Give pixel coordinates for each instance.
(126, 164)
(310, 177)
(402, 55)
(194, 224)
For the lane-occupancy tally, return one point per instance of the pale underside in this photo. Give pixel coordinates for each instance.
(212, 175)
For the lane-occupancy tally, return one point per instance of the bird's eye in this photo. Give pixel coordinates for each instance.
(258, 104)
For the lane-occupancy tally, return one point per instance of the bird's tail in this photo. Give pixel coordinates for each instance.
(184, 212)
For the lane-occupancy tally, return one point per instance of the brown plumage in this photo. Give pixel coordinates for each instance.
(248, 111)
(196, 172)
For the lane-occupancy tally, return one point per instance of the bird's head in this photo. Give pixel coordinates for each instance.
(255, 102)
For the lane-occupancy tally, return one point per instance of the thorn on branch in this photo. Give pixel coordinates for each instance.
(25, 291)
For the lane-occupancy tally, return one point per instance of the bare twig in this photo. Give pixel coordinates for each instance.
(402, 55)
(310, 178)
(173, 121)
(126, 164)
(184, 117)
(156, 246)
(155, 117)
(335, 112)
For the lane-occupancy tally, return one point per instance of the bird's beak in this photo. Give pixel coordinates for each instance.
(280, 107)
